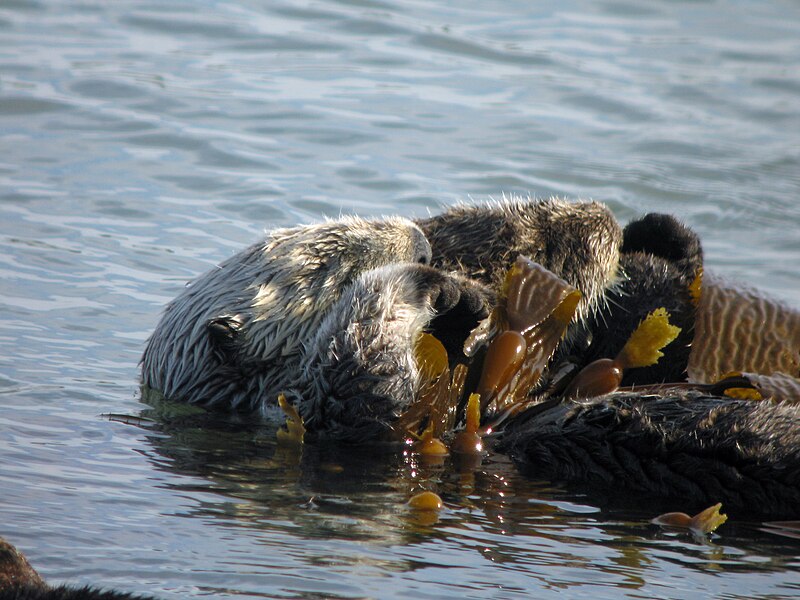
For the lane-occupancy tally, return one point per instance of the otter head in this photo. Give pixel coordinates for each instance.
(233, 336)
(578, 241)
(360, 372)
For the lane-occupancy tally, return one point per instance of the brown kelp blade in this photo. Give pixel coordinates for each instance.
(532, 294)
(539, 306)
(705, 521)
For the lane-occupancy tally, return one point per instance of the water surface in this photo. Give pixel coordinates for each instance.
(144, 142)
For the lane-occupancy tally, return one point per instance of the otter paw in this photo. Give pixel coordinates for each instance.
(459, 305)
(436, 289)
(445, 292)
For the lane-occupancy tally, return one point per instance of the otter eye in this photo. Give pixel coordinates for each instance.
(423, 260)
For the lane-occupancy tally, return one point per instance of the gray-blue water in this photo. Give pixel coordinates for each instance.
(142, 142)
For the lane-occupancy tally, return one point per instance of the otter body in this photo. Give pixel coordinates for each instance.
(578, 241)
(334, 324)
(20, 581)
(682, 446)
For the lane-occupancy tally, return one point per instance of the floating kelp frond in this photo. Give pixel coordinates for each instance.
(431, 356)
(533, 294)
(426, 501)
(295, 429)
(696, 287)
(468, 440)
(522, 332)
(599, 377)
(428, 445)
(779, 387)
(644, 346)
(503, 359)
(743, 393)
(703, 522)
(436, 406)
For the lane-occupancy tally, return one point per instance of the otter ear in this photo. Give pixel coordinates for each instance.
(666, 237)
(224, 335)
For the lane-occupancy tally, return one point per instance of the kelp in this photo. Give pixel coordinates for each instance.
(516, 341)
(642, 349)
(705, 521)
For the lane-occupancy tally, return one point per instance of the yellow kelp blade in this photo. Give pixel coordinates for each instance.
(468, 440)
(431, 356)
(644, 346)
(703, 522)
(295, 429)
(432, 404)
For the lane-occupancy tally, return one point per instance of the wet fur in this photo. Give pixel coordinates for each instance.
(659, 260)
(20, 581)
(685, 447)
(330, 313)
(360, 371)
(578, 241)
(234, 336)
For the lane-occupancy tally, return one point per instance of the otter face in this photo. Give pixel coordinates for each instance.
(359, 373)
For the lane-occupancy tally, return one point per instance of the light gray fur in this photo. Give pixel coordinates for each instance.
(359, 372)
(268, 299)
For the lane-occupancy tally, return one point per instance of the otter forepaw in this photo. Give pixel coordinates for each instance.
(445, 292)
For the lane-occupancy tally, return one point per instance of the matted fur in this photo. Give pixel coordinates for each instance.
(578, 241)
(233, 337)
(684, 446)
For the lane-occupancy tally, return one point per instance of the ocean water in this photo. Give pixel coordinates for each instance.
(143, 142)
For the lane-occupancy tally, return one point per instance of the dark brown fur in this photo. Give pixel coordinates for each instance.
(687, 447)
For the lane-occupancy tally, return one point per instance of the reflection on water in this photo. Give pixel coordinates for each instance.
(144, 142)
(358, 496)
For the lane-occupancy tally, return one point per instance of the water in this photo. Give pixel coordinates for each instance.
(144, 142)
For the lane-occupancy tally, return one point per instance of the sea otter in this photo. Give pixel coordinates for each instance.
(233, 337)
(329, 313)
(680, 446)
(660, 265)
(352, 370)
(578, 241)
